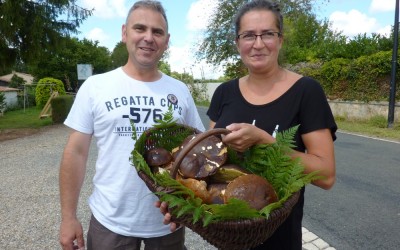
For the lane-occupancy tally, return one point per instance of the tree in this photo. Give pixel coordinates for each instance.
(62, 64)
(119, 56)
(28, 28)
(17, 82)
(218, 46)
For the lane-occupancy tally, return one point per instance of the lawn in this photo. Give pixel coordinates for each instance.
(28, 118)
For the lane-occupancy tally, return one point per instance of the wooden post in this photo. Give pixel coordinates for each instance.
(46, 111)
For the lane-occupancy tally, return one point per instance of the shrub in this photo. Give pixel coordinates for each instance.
(60, 107)
(44, 89)
(17, 82)
(2, 102)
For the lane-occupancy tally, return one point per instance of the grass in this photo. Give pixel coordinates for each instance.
(18, 119)
(374, 127)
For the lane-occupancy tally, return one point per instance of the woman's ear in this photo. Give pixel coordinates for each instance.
(237, 44)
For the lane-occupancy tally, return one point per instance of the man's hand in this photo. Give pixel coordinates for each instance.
(71, 235)
(167, 216)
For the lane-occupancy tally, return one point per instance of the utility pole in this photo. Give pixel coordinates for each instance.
(392, 96)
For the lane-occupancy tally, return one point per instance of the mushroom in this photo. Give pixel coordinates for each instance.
(228, 173)
(253, 189)
(203, 159)
(216, 192)
(199, 188)
(158, 158)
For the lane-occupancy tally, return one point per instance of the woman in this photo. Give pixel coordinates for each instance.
(270, 99)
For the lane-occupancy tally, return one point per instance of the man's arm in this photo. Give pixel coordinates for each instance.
(71, 177)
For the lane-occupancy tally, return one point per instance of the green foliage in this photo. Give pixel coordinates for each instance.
(164, 67)
(269, 161)
(60, 107)
(366, 78)
(16, 82)
(235, 70)
(119, 55)
(2, 102)
(45, 87)
(62, 64)
(197, 89)
(29, 99)
(37, 26)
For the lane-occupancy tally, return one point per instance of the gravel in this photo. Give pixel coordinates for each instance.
(29, 195)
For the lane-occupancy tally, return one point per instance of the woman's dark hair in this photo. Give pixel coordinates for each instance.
(149, 4)
(259, 5)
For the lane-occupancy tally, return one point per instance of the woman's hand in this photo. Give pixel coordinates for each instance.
(245, 135)
(167, 216)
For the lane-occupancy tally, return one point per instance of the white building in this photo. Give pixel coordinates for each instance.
(10, 96)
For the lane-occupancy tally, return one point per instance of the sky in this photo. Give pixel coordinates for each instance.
(187, 21)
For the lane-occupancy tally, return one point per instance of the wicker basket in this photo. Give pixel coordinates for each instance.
(233, 235)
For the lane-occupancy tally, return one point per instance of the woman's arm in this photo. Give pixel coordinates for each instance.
(319, 156)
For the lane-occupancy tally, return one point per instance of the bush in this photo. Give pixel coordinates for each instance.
(44, 89)
(2, 102)
(60, 107)
(17, 82)
(366, 78)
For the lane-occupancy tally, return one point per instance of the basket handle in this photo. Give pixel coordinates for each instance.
(192, 143)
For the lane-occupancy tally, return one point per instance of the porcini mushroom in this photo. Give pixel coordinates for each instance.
(203, 159)
(253, 189)
(158, 158)
(227, 173)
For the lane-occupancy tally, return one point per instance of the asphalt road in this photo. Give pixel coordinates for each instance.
(362, 210)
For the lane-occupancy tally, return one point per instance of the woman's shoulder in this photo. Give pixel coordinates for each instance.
(230, 82)
(303, 81)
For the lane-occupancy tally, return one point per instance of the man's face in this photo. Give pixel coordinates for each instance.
(146, 38)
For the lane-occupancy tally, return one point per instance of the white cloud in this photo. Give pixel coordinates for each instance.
(182, 60)
(98, 34)
(382, 6)
(353, 22)
(385, 31)
(199, 14)
(106, 8)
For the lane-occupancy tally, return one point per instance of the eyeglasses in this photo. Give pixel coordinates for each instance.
(265, 37)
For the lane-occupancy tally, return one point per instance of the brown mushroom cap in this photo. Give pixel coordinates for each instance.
(203, 159)
(158, 157)
(227, 173)
(198, 187)
(217, 192)
(253, 189)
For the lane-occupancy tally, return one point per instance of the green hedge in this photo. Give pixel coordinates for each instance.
(366, 78)
(60, 107)
(44, 89)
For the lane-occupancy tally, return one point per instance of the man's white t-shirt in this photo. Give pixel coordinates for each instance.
(104, 105)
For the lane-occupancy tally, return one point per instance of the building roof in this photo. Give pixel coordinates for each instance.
(27, 77)
(7, 89)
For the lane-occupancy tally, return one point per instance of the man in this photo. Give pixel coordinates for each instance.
(123, 212)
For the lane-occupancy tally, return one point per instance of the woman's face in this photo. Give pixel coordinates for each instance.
(262, 53)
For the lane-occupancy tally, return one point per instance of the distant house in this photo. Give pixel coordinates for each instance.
(10, 95)
(6, 79)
